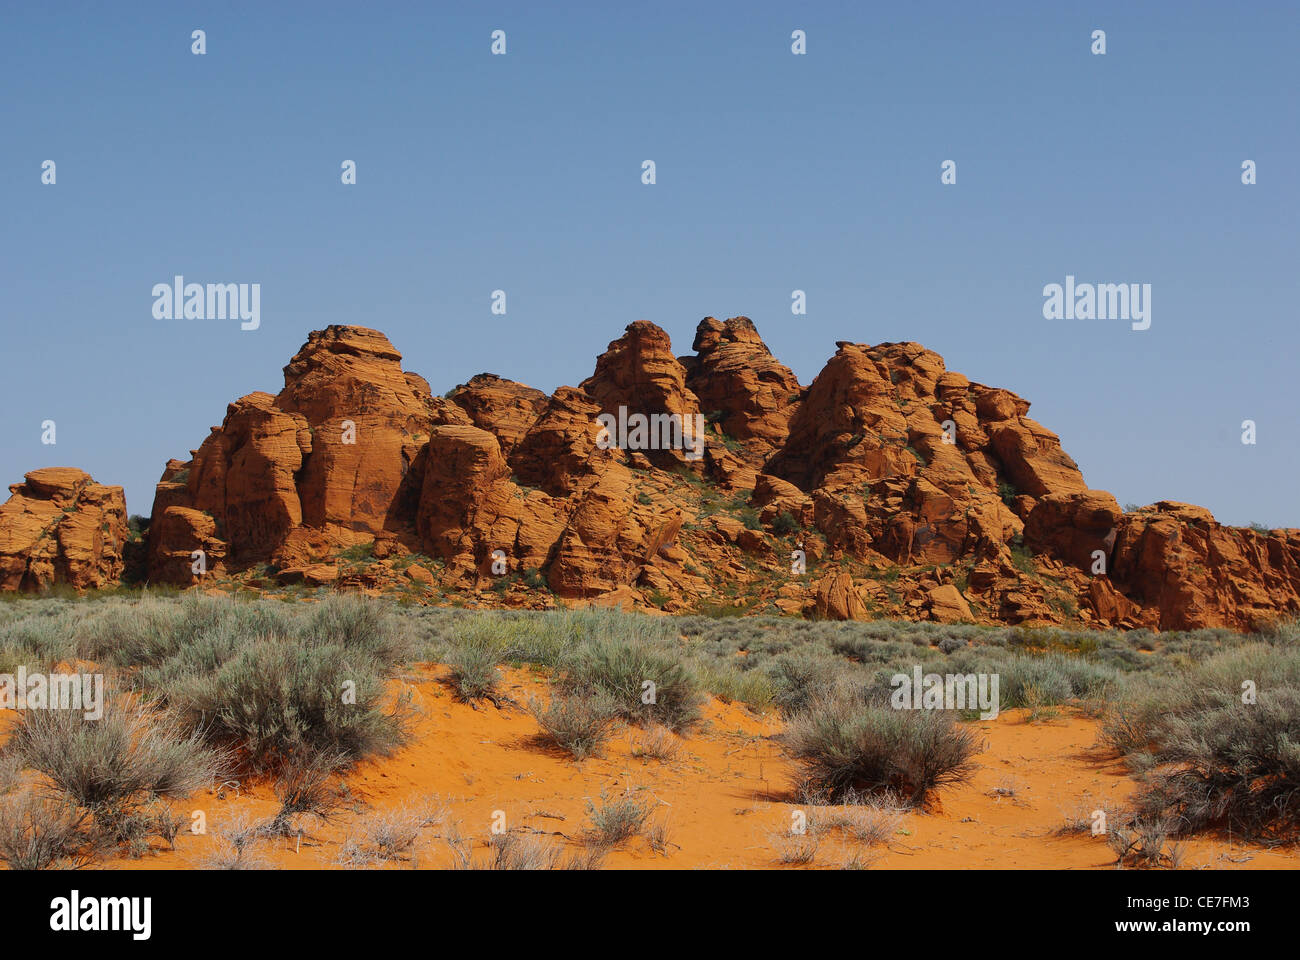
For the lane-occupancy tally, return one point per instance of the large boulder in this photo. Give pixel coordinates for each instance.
(60, 526)
(836, 598)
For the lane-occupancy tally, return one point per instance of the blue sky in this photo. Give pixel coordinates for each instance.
(775, 172)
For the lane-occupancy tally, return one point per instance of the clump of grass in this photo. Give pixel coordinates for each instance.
(37, 832)
(516, 851)
(1144, 842)
(871, 821)
(1082, 818)
(615, 822)
(646, 685)
(849, 744)
(580, 726)
(513, 851)
(1039, 708)
(657, 743)
(473, 670)
(235, 847)
(656, 835)
(855, 858)
(385, 838)
(795, 849)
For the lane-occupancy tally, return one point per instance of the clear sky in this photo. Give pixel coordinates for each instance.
(775, 172)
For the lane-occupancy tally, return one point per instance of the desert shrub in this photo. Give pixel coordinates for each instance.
(151, 630)
(848, 743)
(1207, 759)
(578, 725)
(784, 523)
(11, 658)
(359, 553)
(473, 669)
(130, 755)
(728, 682)
(800, 678)
(1052, 678)
(360, 625)
(38, 832)
(39, 641)
(1007, 492)
(615, 822)
(275, 699)
(619, 670)
(509, 636)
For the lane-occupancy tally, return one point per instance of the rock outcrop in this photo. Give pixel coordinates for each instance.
(639, 376)
(838, 599)
(471, 513)
(561, 448)
(503, 408)
(741, 386)
(889, 487)
(1186, 570)
(366, 420)
(60, 526)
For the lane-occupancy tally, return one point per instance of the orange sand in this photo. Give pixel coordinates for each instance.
(725, 796)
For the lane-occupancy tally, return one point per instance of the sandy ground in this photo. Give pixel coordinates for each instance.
(726, 797)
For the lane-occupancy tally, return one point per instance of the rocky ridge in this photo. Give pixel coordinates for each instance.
(888, 487)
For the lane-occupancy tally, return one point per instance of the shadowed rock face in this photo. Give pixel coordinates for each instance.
(60, 526)
(902, 487)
